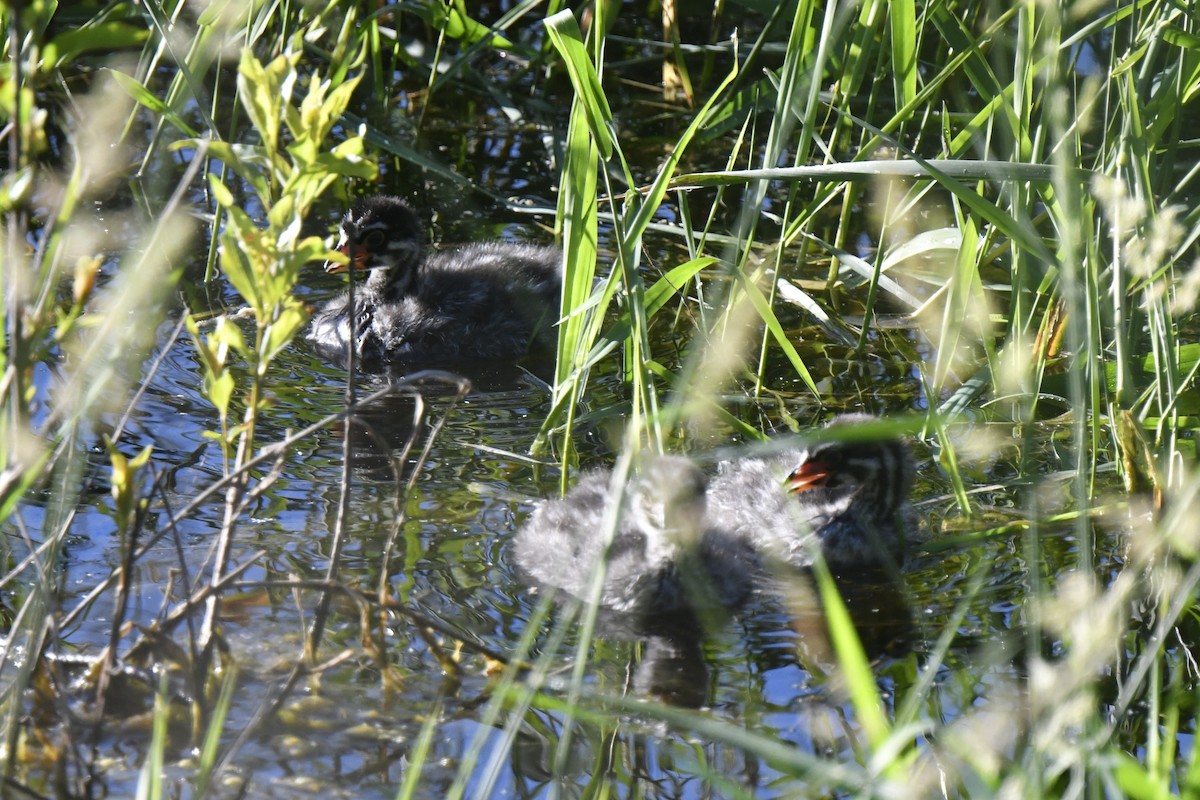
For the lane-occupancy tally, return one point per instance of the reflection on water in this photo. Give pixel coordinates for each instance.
(768, 668)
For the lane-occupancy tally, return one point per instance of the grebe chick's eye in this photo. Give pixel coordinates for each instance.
(373, 239)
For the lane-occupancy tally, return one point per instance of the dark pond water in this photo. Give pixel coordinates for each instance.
(767, 669)
(346, 735)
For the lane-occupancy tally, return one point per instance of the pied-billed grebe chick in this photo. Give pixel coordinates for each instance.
(486, 300)
(679, 542)
(847, 499)
(662, 558)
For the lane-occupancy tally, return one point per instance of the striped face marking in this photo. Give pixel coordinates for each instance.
(877, 470)
(381, 235)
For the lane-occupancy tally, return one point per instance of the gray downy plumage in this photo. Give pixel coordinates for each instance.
(662, 557)
(682, 541)
(849, 501)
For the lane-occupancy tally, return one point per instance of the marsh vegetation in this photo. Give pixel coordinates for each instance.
(234, 568)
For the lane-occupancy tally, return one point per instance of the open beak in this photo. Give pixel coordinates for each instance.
(809, 475)
(356, 261)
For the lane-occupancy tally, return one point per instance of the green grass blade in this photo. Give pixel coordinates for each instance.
(568, 41)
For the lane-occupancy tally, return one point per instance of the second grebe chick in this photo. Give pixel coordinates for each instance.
(681, 539)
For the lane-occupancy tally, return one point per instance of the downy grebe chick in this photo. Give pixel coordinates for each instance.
(847, 499)
(681, 539)
(663, 557)
(486, 300)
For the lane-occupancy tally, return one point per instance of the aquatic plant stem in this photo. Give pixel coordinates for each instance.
(272, 704)
(400, 504)
(234, 493)
(315, 633)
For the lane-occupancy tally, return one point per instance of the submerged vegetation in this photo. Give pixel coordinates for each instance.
(978, 220)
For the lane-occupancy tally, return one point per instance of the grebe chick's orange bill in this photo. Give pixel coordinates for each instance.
(847, 499)
(490, 300)
(663, 557)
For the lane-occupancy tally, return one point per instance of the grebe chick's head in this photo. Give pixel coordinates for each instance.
(381, 234)
(874, 478)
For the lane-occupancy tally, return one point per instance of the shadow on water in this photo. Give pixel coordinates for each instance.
(671, 661)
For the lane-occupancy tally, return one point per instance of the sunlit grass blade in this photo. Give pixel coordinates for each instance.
(567, 39)
(965, 314)
(849, 170)
(577, 225)
(767, 315)
(903, 17)
(852, 660)
(210, 747)
(420, 752)
(152, 774)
